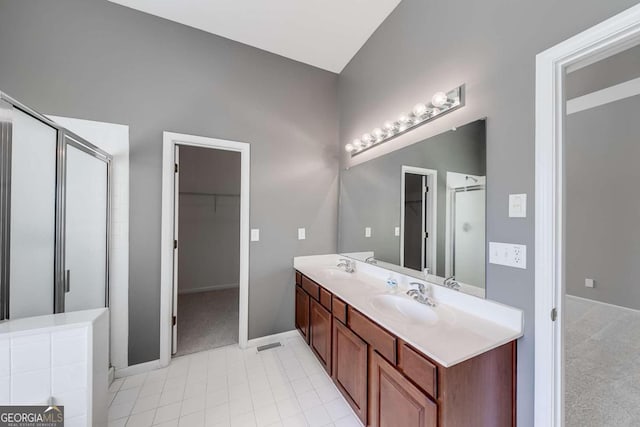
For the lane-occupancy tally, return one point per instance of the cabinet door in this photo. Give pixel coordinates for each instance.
(350, 368)
(320, 334)
(302, 312)
(397, 402)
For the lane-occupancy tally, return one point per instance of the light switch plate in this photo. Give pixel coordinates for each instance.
(367, 232)
(396, 231)
(589, 283)
(255, 234)
(508, 254)
(302, 233)
(517, 205)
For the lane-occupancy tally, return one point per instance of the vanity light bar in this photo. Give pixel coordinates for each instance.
(441, 103)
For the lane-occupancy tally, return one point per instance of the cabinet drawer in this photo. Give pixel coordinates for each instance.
(382, 341)
(298, 278)
(339, 310)
(325, 298)
(422, 372)
(311, 287)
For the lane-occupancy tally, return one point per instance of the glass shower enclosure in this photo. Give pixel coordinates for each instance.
(54, 216)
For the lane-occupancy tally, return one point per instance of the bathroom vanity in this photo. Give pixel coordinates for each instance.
(401, 363)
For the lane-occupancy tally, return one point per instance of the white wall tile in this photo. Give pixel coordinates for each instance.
(5, 390)
(31, 387)
(75, 402)
(30, 353)
(68, 378)
(5, 357)
(69, 347)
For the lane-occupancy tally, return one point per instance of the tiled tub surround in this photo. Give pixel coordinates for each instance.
(64, 356)
(468, 326)
(602, 367)
(284, 386)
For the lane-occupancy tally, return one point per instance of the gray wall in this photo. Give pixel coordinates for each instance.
(425, 46)
(209, 219)
(92, 59)
(603, 207)
(610, 71)
(370, 192)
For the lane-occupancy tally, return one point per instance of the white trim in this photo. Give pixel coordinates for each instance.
(208, 288)
(270, 339)
(605, 96)
(551, 66)
(432, 200)
(170, 139)
(140, 368)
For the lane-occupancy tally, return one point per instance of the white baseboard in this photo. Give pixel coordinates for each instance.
(270, 339)
(208, 288)
(140, 368)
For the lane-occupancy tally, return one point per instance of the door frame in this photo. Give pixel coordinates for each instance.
(611, 36)
(432, 206)
(169, 141)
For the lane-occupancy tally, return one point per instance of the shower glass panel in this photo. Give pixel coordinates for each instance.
(86, 230)
(32, 216)
(469, 236)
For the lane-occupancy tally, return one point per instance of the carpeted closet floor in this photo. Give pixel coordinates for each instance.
(207, 320)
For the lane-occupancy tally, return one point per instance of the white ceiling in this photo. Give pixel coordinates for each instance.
(326, 34)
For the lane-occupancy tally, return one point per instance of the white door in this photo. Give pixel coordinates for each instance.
(176, 205)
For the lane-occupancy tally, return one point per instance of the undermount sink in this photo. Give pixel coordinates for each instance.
(402, 308)
(335, 273)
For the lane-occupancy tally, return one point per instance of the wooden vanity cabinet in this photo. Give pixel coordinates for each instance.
(388, 383)
(395, 401)
(350, 368)
(302, 312)
(320, 333)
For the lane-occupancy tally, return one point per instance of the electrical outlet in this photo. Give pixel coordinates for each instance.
(302, 233)
(367, 232)
(396, 231)
(517, 205)
(508, 254)
(589, 283)
(255, 235)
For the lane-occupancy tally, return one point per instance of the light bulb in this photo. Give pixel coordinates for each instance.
(404, 119)
(389, 126)
(419, 110)
(349, 148)
(366, 138)
(439, 99)
(378, 133)
(356, 143)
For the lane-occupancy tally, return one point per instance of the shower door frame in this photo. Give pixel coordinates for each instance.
(64, 137)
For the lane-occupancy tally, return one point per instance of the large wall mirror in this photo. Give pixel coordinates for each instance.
(420, 210)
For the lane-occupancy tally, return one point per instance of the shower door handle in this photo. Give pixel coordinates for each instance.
(67, 281)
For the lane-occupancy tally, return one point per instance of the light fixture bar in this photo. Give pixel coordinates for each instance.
(441, 104)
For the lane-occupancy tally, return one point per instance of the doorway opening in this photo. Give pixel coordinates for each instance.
(418, 218)
(207, 249)
(583, 319)
(205, 252)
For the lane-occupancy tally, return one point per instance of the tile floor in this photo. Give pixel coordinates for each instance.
(602, 367)
(285, 386)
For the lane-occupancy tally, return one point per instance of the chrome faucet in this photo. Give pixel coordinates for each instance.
(451, 283)
(371, 260)
(348, 265)
(421, 294)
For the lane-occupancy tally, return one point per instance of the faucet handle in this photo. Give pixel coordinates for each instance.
(420, 286)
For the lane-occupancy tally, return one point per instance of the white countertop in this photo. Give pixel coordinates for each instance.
(466, 326)
(50, 321)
